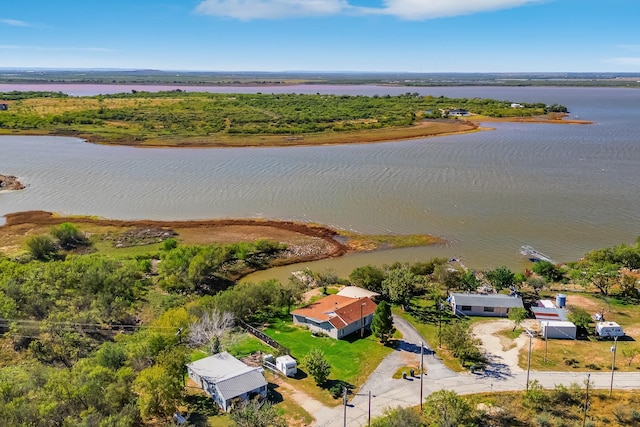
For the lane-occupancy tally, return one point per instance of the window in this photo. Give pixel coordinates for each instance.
(465, 308)
(488, 309)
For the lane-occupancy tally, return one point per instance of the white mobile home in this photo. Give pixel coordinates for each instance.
(484, 305)
(558, 329)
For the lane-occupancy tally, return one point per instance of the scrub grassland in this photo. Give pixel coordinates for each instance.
(194, 119)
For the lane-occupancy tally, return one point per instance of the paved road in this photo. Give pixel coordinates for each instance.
(390, 393)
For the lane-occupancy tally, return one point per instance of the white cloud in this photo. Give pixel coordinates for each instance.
(403, 9)
(626, 60)
(429, 9)
(270, 9)
(15, 23)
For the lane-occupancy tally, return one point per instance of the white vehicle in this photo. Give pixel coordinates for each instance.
(287, 365)
(609, 329)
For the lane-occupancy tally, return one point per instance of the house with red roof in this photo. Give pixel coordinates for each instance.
(336, 316)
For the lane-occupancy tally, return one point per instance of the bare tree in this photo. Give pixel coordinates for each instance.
(209, 329)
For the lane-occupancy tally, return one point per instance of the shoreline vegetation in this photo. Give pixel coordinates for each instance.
(194, 119)
(305, 242)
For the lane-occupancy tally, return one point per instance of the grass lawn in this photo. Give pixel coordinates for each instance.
(352, 360)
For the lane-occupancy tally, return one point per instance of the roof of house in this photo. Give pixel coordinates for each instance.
(549, 313)
(231, 376)
(558, 324)
(357, 292)
(338, 310)
(490, 300)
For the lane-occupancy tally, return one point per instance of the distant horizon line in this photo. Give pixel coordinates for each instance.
(128, 69)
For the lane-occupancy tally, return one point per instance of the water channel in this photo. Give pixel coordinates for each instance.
(564, 189)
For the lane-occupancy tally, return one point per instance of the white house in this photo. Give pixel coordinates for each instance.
(336, 316)
(484, 304)
(225, 378)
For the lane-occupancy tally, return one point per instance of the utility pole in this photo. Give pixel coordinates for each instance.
(586, 402)
(344, 401)
(613, 364)
(529, 358)
(369, 419)
(421, 372)
(440, 326)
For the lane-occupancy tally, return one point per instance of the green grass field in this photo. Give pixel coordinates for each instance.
(352, 360)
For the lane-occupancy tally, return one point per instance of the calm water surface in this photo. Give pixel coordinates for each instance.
(565, 189)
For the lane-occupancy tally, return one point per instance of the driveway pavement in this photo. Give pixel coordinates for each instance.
(387, 392)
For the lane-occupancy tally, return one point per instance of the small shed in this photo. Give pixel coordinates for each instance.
(287, 365)
(558, 329)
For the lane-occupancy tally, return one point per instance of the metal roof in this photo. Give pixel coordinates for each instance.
(230, 375)
(357, 292)
(489, 300)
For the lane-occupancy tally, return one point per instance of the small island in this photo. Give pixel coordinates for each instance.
(10, 182)
(177, 118)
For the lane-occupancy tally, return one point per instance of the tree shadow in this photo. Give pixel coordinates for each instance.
(273, 395)
(300, 374)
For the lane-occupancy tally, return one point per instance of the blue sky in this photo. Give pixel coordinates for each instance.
(323, 35)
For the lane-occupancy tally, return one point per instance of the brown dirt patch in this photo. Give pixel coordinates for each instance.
(592, 306)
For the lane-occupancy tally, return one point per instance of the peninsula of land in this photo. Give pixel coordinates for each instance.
(304, 241)
(195, 119)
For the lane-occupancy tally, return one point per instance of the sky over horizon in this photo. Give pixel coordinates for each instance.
(421, 36)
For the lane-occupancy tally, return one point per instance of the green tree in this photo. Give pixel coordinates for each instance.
(42, 248)
(398, 417)
(579, 317)
(469, 281)
(602, 274)
(317, 365)
(253, 413)
(445, 408)
(382, 323)
(159, 387)
(401, 284)
(548, 270)
(68, 235)
(517, 316)
(369, 277)
(500, 278)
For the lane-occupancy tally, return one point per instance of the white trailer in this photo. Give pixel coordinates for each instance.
(609, 329)
(287, 365)
(558, 329)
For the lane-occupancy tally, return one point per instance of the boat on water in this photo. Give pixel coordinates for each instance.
(534, 255)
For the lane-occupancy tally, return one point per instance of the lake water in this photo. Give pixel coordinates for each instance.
(564, 189)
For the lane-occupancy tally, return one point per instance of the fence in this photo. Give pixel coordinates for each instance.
(263, 337)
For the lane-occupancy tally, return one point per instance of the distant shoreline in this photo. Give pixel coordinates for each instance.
(425, 129)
